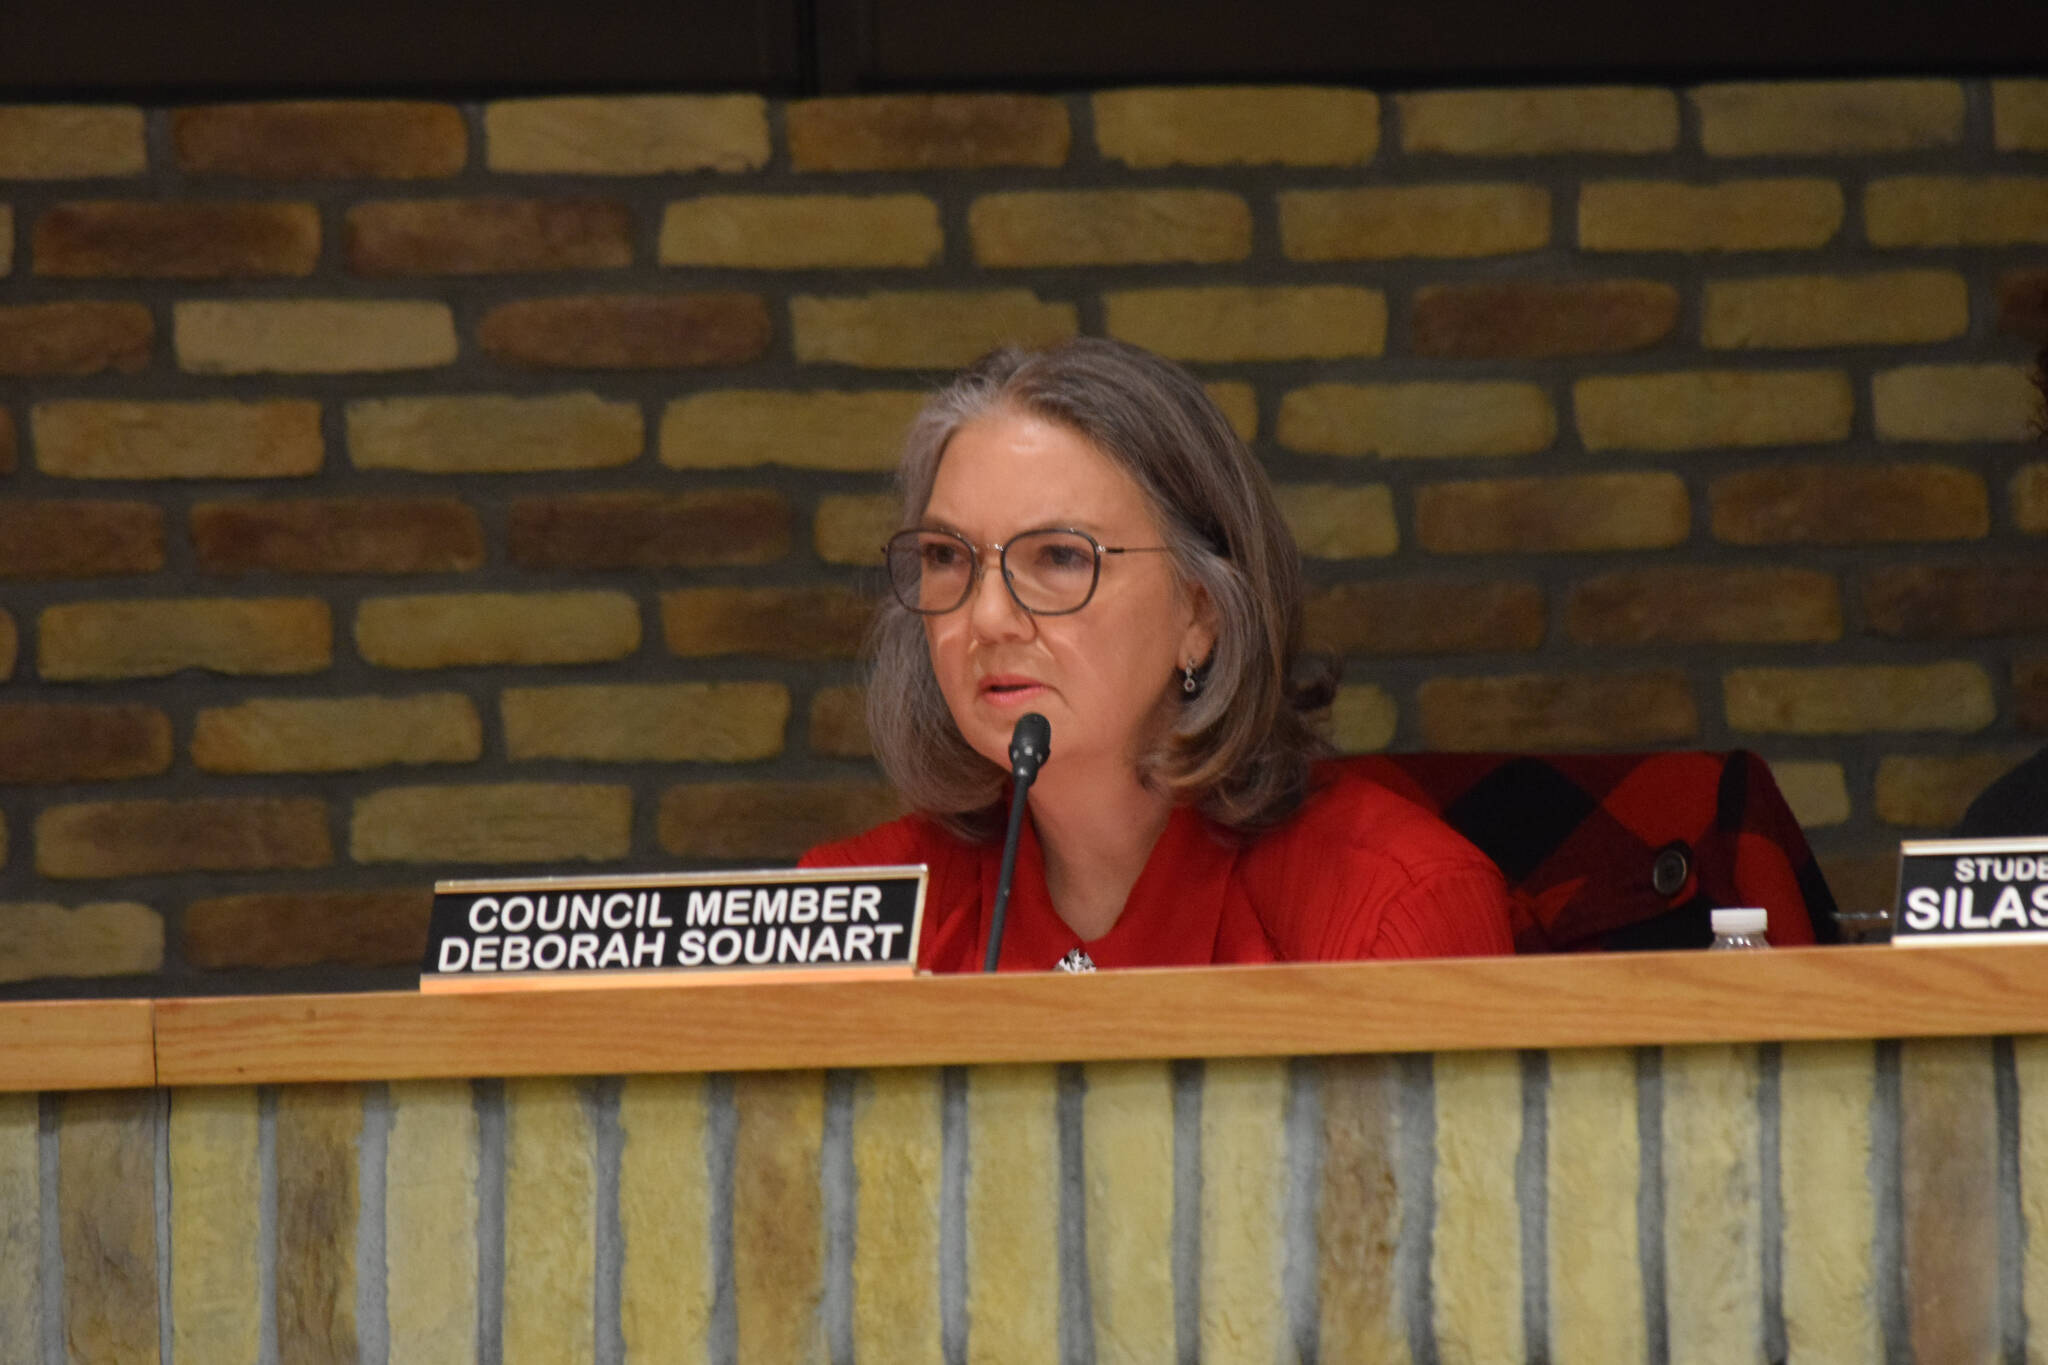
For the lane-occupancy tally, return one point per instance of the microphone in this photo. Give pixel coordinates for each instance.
(1030, 745)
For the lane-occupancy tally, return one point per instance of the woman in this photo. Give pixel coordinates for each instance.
(1088, 539)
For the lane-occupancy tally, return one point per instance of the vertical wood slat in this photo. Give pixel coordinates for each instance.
(2030, 1065)
(665, 1218)
(106, 1199)
(1476, 1243)
(1358, 1217)
(216, 1308)
(1013, 1201)
(778, 1216)
(1829, 1210)
(1948, 1179)
(1127, 1143)
(21, 1231)
(319, 1130)
(897, 1146)
(1244, 1197)
(550, 1223)
(430, 1223)
(1594, 1166)
(1713, 1205)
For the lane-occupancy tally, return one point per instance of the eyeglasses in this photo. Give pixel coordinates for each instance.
(1049, 573)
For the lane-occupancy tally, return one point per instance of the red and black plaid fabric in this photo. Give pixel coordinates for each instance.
(1622, 851)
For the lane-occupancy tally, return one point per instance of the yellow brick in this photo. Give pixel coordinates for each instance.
(1713, 1203)
(1223, 323)
(896, 1146)
(2030, 1063)
(1949, 1197)
(1897, 308)
(106, 1208)
(1127, 1128)
(799, 232)
(742, 428)
(318, 1158)
(6, 240)
(665, 1216)
(279, 735)
(666, 722)
(1109, 227)
(430, 1221)
(156, 637)
(70, 141)
(1475, 1247)
(1699, 410)
(1340, 521)
(216, 1309)
(311, 336)
(1240, 404)
(1596, 1286)
(108, 938)
(778, 1224)
(550, 1223)
(512, 822)
(1953, 210)
(2029, 502)
(1825, 1108)
(1808, 118)
(1237, 126)
(1931, 792)
(1734, 215)
(216, 439)
(1413, 220)
(493, 434)
(1013, 1202)
(1849, 700)
(1363, 719)
(1816, 791)
(1244, 1196)
(21, 1236)
(627, 135)
(851, 527)
(1539, 122)
(2019, 115)
(455, 630)
(10, 645)
(1955, 403)
(1423, 418)
(924, 329)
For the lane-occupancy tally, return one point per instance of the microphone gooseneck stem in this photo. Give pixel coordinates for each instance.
(1018, 797)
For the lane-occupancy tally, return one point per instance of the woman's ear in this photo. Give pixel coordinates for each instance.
(1198, 641)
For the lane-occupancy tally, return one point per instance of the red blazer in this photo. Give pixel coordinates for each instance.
(1357, 872)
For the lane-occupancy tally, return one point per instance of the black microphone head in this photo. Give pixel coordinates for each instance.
(1030, 745)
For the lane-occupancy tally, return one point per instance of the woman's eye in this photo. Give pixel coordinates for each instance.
(942, 556)
(1063, 558)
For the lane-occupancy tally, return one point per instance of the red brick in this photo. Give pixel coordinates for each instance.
(628, 331)
(185, 241)
(1844, 504)
(488, 236)
(220, 834)
(337, 535)
(321, 140)
(9, 445)
(1644, 511)
(2023, 305)
(1530, 319)
(730, 820)
(839, 723)
(2030, 693)
(649, 530)
(780, 623)
(10, 645)
(44, 339)
(1425, 616)
(73, 538)
(1535, 712)
(1694, 606)
(74, 742)
(927, 132)
(1957, 601)
(305, 928)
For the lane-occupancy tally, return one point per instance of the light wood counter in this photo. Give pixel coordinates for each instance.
(77, 1045)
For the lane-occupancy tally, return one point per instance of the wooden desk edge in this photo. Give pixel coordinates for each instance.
(77, 1045)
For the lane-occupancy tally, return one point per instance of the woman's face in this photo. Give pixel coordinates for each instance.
(1104, 676)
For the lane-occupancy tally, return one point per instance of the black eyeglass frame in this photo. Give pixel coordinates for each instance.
(1002, 549)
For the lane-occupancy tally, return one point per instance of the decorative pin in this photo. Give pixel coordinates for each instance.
(1075, 961)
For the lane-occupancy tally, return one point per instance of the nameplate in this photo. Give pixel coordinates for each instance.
(1972, 891)
(675, 928)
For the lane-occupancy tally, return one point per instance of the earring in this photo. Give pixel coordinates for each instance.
(1187, 678)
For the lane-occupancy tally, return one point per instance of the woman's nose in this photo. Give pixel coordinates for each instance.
(991, 609)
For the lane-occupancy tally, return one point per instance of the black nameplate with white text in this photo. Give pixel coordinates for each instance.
(633, 930)
(1972, 891)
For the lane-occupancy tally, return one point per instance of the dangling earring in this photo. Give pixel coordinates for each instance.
(1187, 678)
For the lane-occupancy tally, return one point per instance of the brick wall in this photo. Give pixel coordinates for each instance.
(389, 489)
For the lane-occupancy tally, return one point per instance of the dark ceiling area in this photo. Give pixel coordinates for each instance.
(173, 50)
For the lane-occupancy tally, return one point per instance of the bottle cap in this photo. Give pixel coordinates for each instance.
(1746, 920)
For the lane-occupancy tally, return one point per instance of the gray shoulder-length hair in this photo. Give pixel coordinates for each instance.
(1242, 744)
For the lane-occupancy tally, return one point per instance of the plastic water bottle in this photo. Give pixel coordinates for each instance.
(1741, 928)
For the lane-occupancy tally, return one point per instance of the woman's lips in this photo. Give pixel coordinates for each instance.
(1008, 690)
